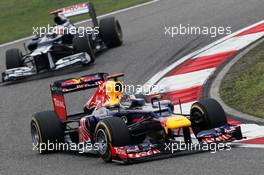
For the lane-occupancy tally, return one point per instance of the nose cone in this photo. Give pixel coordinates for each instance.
(175, 122)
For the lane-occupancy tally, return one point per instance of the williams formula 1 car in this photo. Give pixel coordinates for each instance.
(127, 128)
(64, 45)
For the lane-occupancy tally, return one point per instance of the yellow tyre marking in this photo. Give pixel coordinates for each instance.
(38, 128)
(110, 137)
(106, 128)
(198, 107)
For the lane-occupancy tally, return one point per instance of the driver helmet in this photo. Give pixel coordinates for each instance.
(60, 19)
(114, 90)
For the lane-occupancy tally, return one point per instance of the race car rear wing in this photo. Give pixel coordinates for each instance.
(76, 10)
(82, 83)
(61, 87)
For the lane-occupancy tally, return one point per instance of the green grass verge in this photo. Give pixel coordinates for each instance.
(243, 87)
(18, 17)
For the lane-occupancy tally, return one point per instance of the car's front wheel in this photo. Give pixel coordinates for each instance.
(111, 132)
(14, 58)
(207, 114)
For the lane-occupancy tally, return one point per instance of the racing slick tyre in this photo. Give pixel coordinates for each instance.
(46, 130)
(82, 44)
(111, 132)
(111, 32)
(207, 114)
(14, 58)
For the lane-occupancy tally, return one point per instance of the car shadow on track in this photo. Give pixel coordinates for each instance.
(76, 153)
(143, 161)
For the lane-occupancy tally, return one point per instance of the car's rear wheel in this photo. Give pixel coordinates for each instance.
(46, 131)
(82, 44)
(111, 132)
(14, 58)
(207, 114)
(111, 32)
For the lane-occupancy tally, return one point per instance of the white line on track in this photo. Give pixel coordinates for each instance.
(245, 145)
(84, 21)
(252, 131)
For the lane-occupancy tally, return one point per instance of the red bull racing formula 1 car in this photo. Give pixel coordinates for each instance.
(127, 128)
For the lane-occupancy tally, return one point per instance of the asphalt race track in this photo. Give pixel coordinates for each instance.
(146, 51)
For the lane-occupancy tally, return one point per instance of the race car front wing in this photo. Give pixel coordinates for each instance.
(149, 151)
(17, 73)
